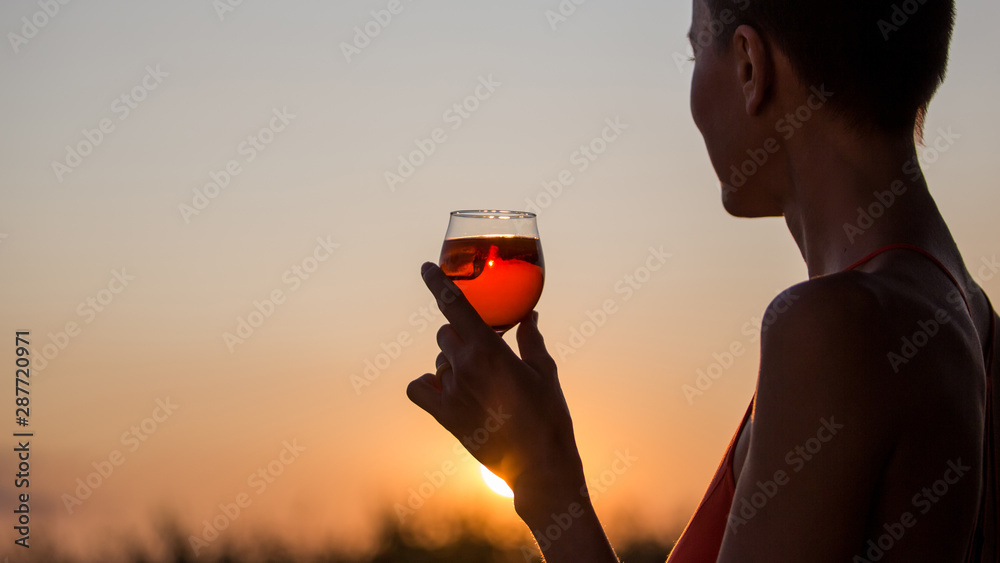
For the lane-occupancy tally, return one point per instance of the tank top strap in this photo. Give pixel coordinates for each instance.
(993, 334)
(731, 451)
(989, 500)
(928, 255)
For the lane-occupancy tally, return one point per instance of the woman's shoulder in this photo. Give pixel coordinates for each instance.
(871, 345)
(849, 310)
(872, 312)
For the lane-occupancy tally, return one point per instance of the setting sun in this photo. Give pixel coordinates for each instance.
(496, 484)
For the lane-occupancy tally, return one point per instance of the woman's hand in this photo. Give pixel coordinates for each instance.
(509, 412)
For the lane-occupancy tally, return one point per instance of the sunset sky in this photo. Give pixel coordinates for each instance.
(118, 115)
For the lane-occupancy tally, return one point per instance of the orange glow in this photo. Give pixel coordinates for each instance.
(496, 484)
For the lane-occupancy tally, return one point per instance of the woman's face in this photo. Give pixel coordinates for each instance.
(718, 107)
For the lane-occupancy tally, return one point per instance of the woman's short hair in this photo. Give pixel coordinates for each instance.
(883, 59)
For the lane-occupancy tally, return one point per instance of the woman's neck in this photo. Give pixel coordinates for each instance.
(851, 196)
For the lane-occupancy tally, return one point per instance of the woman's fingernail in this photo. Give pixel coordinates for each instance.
(426, 268)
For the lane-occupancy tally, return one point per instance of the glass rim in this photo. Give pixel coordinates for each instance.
(493, 214)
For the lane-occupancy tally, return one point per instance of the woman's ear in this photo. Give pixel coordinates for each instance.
(754, 67)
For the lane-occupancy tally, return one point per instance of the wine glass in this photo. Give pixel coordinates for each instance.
(495, 258)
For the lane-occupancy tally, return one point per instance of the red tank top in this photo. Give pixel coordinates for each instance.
(702, 537)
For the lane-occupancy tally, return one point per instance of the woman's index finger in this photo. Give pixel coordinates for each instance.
(453, 304)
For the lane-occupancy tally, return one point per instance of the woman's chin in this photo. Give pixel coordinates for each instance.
(741, 203)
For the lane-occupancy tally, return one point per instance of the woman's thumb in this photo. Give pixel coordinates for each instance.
(532, 345)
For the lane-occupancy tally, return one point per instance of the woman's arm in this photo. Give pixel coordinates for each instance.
(511, 415)
(566, 530)
(843, 444)
(818, 440)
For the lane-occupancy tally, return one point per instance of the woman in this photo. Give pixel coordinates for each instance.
(808, 111)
